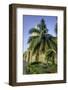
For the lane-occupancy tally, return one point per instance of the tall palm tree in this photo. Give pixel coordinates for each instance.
(40, 40)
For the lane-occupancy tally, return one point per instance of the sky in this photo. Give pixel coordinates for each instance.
(30, 21)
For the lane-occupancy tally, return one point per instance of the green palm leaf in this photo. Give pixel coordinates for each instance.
(32, 38)
(34, 30)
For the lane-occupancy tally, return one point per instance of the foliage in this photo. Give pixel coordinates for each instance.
(38, 68)
(40, 41)
(51, 55)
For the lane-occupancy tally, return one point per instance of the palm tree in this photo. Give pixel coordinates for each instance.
(40, 40)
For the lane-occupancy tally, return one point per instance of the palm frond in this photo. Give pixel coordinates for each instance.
(54, 44)
(36, 45)
(31, 44)
(50, 54)
(32, 38)
(42, 26)
(56, 28)
(34, 30)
